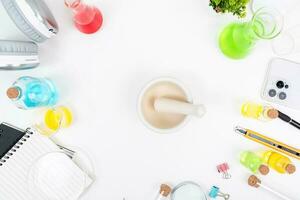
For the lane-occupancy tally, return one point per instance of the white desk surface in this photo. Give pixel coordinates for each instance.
(100, 77)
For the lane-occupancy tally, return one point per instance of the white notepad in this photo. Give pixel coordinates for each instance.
(56, 175)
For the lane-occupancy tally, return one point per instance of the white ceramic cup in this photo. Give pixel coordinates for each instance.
(145, 89)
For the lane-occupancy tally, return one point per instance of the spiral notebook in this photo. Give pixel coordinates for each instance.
(19, 150)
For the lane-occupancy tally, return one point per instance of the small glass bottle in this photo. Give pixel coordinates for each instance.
(54, 119)
(87, 18)
(279, 162)
(253, 162)
(256, 111)
(29, 92)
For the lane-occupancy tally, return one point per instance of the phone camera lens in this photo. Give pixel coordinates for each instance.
(282, 96)
(280, 84)
(272, 93)
(286, 86)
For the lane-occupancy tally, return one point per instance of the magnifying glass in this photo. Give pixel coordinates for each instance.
(188, 191)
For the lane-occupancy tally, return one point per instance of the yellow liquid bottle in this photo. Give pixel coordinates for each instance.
(55, 119)
(255, 111)
(59, 117)
(278, 162)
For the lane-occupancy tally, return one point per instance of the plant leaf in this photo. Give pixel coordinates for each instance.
(232, 2)
(217, 2)
(236, 7)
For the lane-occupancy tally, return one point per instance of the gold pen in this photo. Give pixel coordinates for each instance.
(269, 142)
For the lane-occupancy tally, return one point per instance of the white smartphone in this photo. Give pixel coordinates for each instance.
(282, 83)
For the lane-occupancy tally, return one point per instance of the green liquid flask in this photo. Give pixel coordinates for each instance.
(253, 162)
(238, 39)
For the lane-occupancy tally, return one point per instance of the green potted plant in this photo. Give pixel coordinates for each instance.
(236, 7)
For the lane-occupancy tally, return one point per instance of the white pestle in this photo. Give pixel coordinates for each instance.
(168, 105)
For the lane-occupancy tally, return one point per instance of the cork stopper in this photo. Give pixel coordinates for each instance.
(290, 168)
(264, 170)
(272, 113)
(13, 92)
(165, 190)
(254, 181)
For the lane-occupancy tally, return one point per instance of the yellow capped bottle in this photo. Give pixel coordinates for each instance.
(54, 119)
(278, 162)
(256, 111)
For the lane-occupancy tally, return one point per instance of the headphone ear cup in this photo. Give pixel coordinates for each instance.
(18, 48)
(19, 19)
(17, 55)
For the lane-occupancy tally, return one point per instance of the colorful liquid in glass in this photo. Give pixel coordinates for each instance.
(252, 110)
(39, 93)
(251, 161)
(278, 162)
(29, 92)
(54, 119)
(238, 39)
(256, 111)
(59, 117)
(87, 19)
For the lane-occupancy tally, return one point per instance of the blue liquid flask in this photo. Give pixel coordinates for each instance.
(29, 92)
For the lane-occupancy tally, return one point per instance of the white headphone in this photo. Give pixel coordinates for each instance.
(36, 21)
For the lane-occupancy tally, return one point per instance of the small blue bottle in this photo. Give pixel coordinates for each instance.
(29, 92)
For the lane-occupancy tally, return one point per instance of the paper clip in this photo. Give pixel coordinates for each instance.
(215, 192)
(223, 168)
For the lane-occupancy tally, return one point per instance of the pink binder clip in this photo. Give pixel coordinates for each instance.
(223, 168)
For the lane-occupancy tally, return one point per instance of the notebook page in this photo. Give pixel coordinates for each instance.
(15, 174)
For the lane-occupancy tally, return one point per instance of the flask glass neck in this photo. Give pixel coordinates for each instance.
(78, 6)
(73, 3)
(83, 12)
(266, 23)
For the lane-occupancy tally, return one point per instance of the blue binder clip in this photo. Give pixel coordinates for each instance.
(215, 192)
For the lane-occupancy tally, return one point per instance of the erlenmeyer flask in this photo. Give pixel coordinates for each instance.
(238, 39)
(87, 18)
